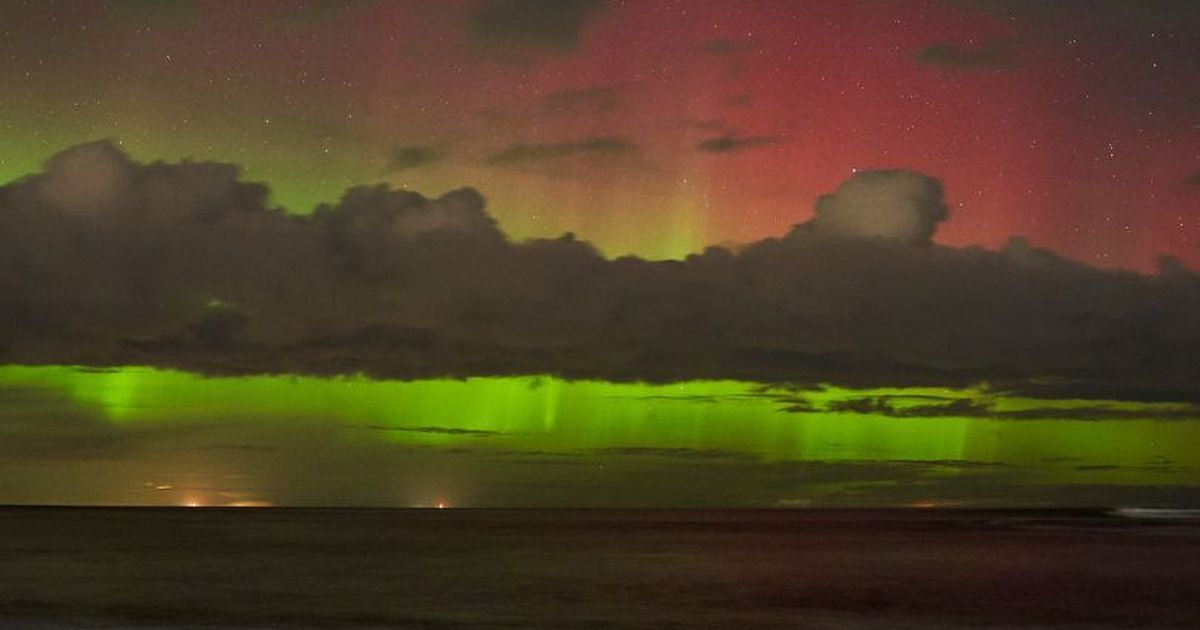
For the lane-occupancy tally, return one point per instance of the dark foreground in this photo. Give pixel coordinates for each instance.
(204, 568)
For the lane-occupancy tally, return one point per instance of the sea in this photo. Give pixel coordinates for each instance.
(169, 568)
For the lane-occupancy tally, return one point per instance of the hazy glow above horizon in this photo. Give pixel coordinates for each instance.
(239, 425)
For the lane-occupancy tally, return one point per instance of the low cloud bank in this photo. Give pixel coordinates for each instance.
(105, 261)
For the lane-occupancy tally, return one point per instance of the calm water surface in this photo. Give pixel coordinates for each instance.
(311, 568)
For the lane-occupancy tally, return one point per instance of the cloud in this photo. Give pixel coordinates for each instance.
(89, 179)
(408, 157)
(1193, 180)
(731, 143)
(602, 146)
(105, 261)
(997, 55)
(551, 26)
(894, 205)
(967, 408)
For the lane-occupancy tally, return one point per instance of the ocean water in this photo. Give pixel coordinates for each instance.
(311, 568)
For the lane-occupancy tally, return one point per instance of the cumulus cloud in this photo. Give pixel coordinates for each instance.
(91, 177)
(104, 261)
(997, 55)
(896, 205)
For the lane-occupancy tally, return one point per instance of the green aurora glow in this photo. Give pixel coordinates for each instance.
(711, 426)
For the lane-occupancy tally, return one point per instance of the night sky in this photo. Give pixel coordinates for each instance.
(600, 252)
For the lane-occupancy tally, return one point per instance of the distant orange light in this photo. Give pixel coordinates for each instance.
(251, 504)
(441, 506)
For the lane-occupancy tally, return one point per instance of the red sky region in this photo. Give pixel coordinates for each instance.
(1055, 149)
(1081, 133)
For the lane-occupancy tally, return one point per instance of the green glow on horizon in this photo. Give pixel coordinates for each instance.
(544, 414)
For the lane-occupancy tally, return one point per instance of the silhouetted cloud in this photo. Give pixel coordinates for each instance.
(1193, 180)
(894, 205)
(105, 261)
(555, 25)
(730, 143)
(408, 157)
(997, 55)
(967, 408)
(518, 154)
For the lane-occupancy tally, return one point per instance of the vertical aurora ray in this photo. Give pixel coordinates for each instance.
(1081, 149)
(712, 425)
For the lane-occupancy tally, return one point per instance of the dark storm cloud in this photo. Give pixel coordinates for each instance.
(998, 55)
(555, 25)
(731, 143)
(408, 157)
(1194, 180)
(104, 261)
(604, 146)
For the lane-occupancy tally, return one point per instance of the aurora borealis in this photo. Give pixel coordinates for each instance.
(654, 127)
(598, 252)
(543, 441)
